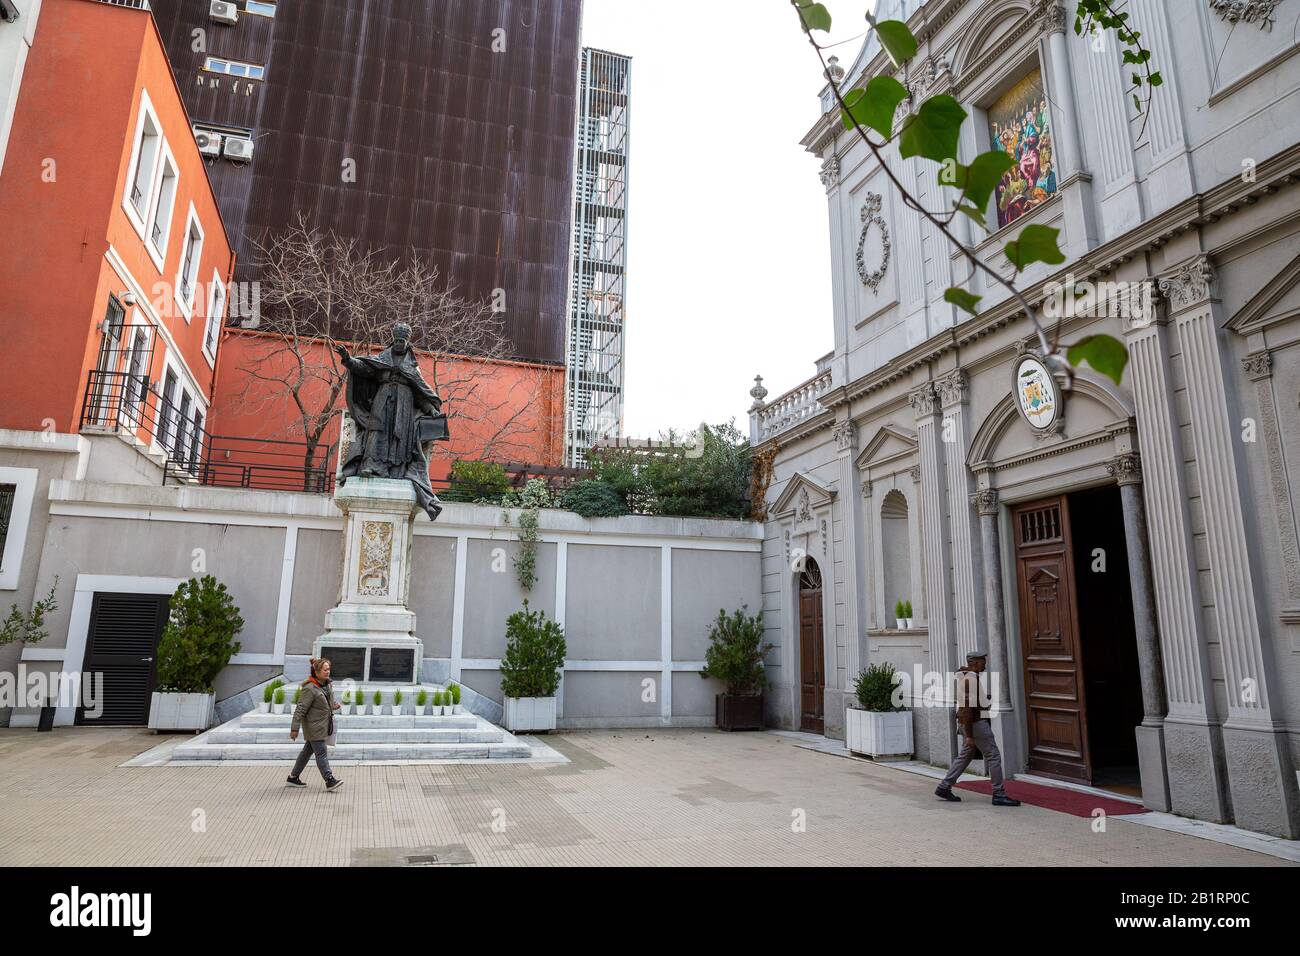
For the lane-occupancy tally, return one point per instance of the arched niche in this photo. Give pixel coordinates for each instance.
(896, 552)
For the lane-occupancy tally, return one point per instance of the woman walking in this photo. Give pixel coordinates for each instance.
(315, 715)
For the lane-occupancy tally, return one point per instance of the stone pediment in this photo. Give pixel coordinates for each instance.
(802, 493)
(1277, 301)
(890, 444)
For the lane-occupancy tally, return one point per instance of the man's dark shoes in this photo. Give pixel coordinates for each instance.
(1002, 800)
(945, 793)
(334, 784)
(294, 782)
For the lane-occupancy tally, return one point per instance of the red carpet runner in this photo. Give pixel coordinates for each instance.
(1057, 798)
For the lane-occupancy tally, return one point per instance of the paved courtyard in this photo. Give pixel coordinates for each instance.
(646, 798)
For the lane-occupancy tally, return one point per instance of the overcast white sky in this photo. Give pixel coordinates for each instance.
(728, 250)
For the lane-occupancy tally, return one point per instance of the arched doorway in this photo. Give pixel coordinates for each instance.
(812, 655)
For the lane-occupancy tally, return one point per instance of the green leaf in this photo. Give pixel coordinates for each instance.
(978, 180)
(1155, 79)
(814, 16)
(932, 132)
(1105, 353)
(1035, 244)
(962, 299)
(874, 106)
(897, 40)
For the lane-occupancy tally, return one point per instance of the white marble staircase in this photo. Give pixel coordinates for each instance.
(388, 737)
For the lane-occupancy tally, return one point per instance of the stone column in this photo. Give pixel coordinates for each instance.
(935, 560)
(1193, 742)
(1260, 772)
(1127, 471)
(1064, 118)
(968, 601)
(846, 441)
(1004, 718)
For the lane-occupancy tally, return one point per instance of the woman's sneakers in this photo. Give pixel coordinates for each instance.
(294, 782)
(333, 784)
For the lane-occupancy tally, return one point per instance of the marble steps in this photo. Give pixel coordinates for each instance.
(353, 722)
(353, 753)
(360, 735)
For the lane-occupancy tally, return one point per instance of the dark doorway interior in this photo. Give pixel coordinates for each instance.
(1106, 634)
(812, 663)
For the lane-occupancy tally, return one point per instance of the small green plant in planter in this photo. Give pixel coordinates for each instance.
(455, 697)
(397, 701)
(531, 669)
(297, 695)
(735, 657)
(268, 693)
(279, 700)
(378, 701)
(900, 615)
(907, 613)
(421, 699)
(440, 702)
(197, 644)
(347, 702)
(874, 689)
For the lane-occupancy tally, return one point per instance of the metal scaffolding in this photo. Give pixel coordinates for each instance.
(593, 407)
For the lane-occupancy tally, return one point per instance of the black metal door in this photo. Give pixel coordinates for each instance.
(123, 646)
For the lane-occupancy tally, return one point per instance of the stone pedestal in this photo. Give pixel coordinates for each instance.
(370, 634)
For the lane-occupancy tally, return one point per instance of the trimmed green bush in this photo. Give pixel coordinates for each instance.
(279, 695)
(595, 499)
(476, 481)
(199, 639)
(874, 688)
(535, 650)
(735, 653)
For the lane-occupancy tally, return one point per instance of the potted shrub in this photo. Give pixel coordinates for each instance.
(440, 702)
(378, 701)
(454, 690)
(878, 727)
(907, 614)
(359, 702)
(278, 706)
(735, 657)
(397, 701)
(421, 698)
(530, 670)
(900, 617)
(267, 693)
(197, 644)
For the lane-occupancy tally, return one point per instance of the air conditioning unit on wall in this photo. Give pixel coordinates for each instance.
(223, 11)
(238, 149)
(209, 142)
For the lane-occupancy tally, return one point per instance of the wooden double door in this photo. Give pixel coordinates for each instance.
(812, 653)
(1055, 701)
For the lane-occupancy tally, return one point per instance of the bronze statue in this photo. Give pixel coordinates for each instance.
(397, 417)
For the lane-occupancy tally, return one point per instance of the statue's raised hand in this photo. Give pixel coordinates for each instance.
(343, 353)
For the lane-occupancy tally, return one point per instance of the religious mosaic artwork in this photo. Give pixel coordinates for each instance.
(376, 555)
(1019, 123)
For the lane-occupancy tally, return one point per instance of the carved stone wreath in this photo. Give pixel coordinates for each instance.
(871, 216)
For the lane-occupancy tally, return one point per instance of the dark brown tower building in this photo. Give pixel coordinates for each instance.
(443, 128)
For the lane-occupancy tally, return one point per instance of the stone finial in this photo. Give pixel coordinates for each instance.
(834, 72)
(757, 393)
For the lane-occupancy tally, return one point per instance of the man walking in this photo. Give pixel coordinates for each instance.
(976, 731)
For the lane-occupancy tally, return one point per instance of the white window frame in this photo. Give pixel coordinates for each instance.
(167, 161)
(11, 562)
(214, 316)
(224, 67)
(192, 225)
(138, 218)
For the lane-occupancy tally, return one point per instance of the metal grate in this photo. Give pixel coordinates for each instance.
(1043, 524)
(6, 509)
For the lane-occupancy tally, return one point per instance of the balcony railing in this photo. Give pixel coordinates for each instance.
(797, 405)
(130, 406)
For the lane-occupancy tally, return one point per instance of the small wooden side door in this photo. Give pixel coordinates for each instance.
(812, 655)
(1049, 638)
(122, 646)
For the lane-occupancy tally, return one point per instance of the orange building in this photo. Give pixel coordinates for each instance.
(501, 411)
(115, 285)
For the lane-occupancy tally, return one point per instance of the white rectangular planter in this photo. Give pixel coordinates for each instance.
(180, 711)
(524, 714)
(887, 736)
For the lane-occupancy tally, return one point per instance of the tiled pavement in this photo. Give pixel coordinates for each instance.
(625, 797)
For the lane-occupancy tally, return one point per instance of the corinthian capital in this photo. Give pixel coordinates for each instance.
(1053, 16)
(985, 501)
(924, 401)
(1125, 469)
(1258, 365)
(1189, 285)
(951, 387)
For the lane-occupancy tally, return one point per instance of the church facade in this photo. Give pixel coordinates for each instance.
(1125, 554)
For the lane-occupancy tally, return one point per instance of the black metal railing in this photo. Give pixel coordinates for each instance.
(127, 404)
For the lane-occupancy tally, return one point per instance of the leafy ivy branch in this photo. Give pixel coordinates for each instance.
(932, 131)
(1092, 15)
